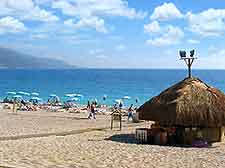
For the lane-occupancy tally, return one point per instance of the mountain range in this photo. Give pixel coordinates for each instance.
(12, 59)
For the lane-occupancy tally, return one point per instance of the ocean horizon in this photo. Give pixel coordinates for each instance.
(92, 83)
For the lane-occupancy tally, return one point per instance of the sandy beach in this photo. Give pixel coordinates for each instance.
(57, 140)
(112, 84)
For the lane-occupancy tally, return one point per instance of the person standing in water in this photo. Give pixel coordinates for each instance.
(104, 98)
(136, 100)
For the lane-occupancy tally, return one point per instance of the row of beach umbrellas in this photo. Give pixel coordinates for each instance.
(23, 93)
(72, 96)
(34, 96)
(20, 94)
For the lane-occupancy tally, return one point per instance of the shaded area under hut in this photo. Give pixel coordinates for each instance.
(185, 113)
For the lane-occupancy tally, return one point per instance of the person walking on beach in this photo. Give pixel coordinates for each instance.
(120, 105)
(115, 106)
(130, 112)
(88, 105)
(92, 111)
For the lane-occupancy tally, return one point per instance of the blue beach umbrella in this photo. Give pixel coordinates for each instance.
(11, 93)
(78, 95)
(17, 97)
(54, 98)
(70, 95)
(126, 97)
(74, 99)
(23, 93)
(53, 95)
(9, 96)
(118, 101)
(36, 98)
(35, 94)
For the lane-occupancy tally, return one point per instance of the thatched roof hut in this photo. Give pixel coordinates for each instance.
(187, 103)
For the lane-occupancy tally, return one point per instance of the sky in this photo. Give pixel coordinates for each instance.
(116, 33)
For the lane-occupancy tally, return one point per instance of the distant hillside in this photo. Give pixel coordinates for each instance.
(14, 60)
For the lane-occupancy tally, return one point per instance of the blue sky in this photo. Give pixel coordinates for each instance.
(116, 33)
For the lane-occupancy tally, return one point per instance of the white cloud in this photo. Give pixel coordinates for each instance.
(214, 51)
(87, 8)
(39, 36)
(91, 22)
(90, 13)
(41, 15)
(25, 10)
(115, 37)
(98, 53)
(193, 41)
(42, 1)
(95, 51)
(219, 53)
(152, 27)
(166, 11)
(11, 25)
(213, 59)
(101, 56)
(170, 36)
(120, 47)
(210, 22)
(9, 6)
(66, 7)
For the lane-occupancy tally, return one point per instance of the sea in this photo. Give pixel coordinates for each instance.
(140, 84)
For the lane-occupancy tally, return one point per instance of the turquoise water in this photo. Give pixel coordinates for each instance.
(94, 83)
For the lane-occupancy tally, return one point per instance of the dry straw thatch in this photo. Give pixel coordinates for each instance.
(187, 103)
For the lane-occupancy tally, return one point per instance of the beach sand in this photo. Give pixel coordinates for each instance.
(61, 140)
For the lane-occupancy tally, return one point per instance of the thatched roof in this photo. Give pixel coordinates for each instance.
(187, 103)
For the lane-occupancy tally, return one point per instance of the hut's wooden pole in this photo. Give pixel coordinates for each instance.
(189, 68)
(189, 62)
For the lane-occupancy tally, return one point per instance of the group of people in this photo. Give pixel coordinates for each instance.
(130, 110)
(24, 106)
(92, 112)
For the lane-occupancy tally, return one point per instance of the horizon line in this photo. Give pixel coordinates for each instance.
(108, 68)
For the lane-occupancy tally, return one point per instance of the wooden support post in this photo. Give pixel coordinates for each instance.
(111, 122)
(189, 68)
(189, 62)
(14, 104)
(120, 122)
